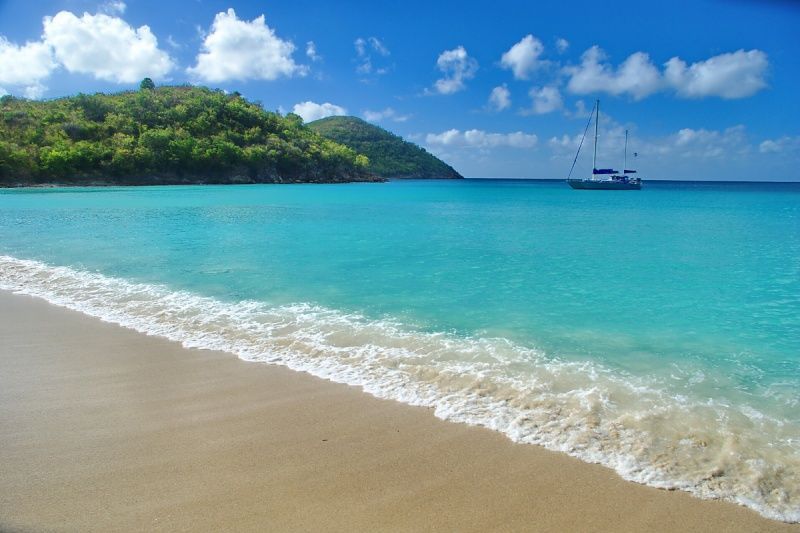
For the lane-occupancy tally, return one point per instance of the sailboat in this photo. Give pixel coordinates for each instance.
(604, 178)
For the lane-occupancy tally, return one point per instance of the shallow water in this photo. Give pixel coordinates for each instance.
(656, 332)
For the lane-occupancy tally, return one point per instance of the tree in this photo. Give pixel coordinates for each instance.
(163, 135)
(148, 84)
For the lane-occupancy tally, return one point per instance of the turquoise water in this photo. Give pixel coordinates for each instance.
(656, 332)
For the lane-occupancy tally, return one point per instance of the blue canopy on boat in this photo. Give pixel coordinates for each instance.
(604, 171)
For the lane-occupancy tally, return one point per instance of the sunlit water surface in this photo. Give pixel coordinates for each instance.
(656, 332)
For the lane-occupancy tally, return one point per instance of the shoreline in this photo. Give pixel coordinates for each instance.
(107, 428)
(71, 185)
(177, 183)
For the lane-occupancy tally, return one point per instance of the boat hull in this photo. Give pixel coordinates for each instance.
(605, 185)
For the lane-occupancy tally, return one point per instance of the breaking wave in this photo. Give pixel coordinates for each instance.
(635, 425)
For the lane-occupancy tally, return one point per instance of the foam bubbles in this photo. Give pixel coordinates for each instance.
(631, 424)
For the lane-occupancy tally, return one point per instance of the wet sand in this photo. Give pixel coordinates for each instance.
(106, 429)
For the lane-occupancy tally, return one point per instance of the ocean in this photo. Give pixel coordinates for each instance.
(656, 332)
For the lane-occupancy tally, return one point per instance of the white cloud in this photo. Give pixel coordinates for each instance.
(545, 100)
(769, 146)
(388, 113)
(580, 110)
(733, 75)
(106, 47)
(113, 7)
(365, 48)
(34, 92)
(361, 46)
(562, 45)
(564, 143)
(236, 49)
(500, 98)
(26, 66)
(611, 140)
(378, 46)
(780, 145)
(100, 45)
(636, 76)
(457, 66)
(311, 111)
(686, 144)
(703, 143)
(173, 43)
(311, 51)
(481, 139)
(523, 58)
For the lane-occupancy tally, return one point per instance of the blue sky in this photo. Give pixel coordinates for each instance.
(708, 90)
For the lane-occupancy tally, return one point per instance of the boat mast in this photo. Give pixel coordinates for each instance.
(583, 138)
(596, 120)
(625, 159)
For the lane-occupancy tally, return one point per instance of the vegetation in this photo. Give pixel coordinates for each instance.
(389, 155)
(178, 134)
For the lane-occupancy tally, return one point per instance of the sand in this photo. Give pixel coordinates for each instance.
(106, 429)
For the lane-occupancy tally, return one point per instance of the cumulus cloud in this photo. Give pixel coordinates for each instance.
(366, 50)
(236, 49)
(311, 111)
(34, 92)
(781, 145)
(562, 45)
(101, 45)
(724, 153)
(500, 98)
(523, 59)
(26, 66)
(581, 111)
(545, 100)
(703, 143)
(688, 137)
(565, 143)
(311, 51)
(636, 76)
(611, 140)
(481, 139)
(385, 114)
(733, 75)
(105, 47)
(457, 66)
(686, 143)
(114, 7)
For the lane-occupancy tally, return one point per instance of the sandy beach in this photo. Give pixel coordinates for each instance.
(106, 429)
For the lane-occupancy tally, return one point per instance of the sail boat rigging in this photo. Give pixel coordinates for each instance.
(603, 178)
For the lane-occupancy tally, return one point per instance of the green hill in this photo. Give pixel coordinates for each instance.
(179, 134)
(389, 155)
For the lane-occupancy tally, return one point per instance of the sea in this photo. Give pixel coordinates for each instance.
(656, 332)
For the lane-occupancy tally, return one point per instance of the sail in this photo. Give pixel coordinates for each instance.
(604, 171)
(629, 171)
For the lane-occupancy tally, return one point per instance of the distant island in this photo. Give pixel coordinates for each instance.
(164, 135)
(389, 155)
(192, 135)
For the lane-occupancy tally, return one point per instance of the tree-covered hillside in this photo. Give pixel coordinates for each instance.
(389, 155)
(179, 134)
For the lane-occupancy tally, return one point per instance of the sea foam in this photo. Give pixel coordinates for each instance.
(636, 426)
